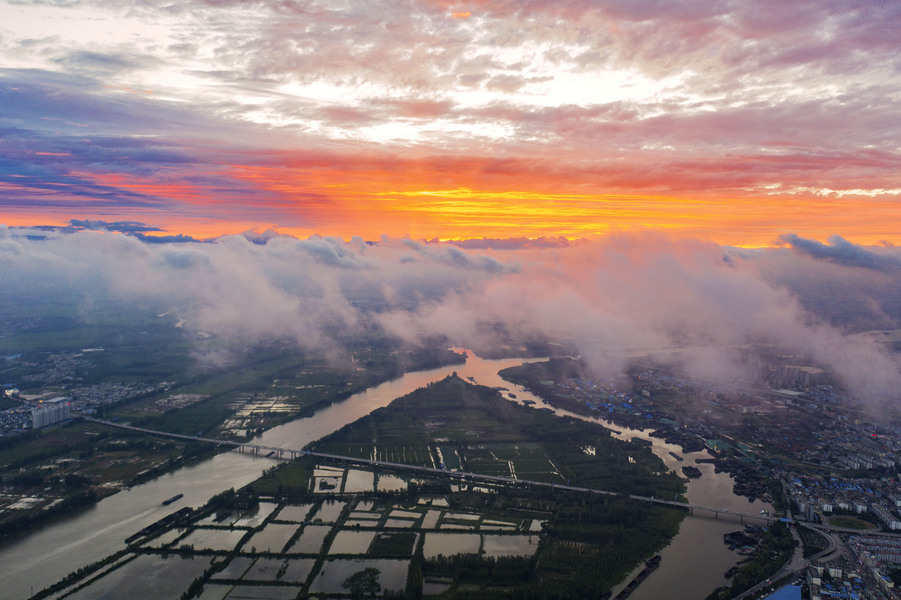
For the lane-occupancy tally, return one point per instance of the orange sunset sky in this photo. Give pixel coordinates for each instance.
(724, 121)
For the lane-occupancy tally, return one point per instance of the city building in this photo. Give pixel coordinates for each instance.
(50, 412)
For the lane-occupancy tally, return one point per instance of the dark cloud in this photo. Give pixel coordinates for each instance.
(106, 63)
(262, 238)
(119, 226)
(166, 239)
(131, 228)
(842, 252)
(511, 243)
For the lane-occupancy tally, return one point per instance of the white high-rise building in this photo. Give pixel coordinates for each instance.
(50, 412)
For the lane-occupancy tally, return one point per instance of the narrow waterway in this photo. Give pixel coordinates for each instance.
(696, 560)
(692, 564)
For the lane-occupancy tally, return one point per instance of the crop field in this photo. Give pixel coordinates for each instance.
(471, 425)
(407, 454)
(449, 454)
(537, 470)
(528, 461)
(353, 450)
(522, 450)
(419, 455)
(489, 467)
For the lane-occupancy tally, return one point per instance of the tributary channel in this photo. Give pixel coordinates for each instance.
(693, 564)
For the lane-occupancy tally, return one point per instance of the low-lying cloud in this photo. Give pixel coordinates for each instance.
(841, 251)
(712, 311)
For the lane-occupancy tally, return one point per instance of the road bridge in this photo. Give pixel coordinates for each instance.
(469, 477)
(240, 446)
(463, 476)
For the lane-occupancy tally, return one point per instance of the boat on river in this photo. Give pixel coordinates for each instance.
(172, 499)
(692, 472)
(166, 521)
(649, 568)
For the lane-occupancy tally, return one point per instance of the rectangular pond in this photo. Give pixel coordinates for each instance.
(351, 542)
(221, 540)
(295, 513)
(310, 541)
(271, 538)
(449, 544)
(510, 545)
(328, 512)
(392, 574)
(147, 576)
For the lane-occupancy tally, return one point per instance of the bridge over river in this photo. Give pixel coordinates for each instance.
(464, 476)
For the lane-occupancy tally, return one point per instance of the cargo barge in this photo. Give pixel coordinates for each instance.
(691, 472)
(164, 522)
(172, 499)
(649, 568)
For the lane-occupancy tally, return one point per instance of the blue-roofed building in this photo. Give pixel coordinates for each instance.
(789, 592)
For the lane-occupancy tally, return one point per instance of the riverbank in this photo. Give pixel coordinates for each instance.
(50, 553)
(62, 470)
(695, 562)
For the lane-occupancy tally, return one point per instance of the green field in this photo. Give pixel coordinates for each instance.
(419, 454)
(510, 541)
(492, 434)
(590, 544)
(850, 522)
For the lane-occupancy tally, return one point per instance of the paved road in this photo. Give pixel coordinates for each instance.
(460, 475)
(479, 477)
(795, 564)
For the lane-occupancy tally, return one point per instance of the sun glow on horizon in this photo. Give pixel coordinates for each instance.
(441, 120)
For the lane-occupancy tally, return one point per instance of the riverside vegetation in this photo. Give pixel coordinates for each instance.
(308, 528)
(67, 467)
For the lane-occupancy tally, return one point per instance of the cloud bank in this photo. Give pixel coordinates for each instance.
(711, 309)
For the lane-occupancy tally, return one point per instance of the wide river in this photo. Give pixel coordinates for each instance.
(692, 566)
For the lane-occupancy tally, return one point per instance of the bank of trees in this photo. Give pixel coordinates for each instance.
(775, 550)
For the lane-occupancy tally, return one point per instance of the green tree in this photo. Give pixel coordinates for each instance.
(363, 583)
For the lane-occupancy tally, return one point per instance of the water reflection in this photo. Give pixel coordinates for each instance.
(695, 561)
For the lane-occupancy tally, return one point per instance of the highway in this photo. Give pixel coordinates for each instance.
(470, 477)
(464, 476)
(796, 564)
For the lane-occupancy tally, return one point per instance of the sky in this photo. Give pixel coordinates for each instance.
(738, 123)
(715, 182)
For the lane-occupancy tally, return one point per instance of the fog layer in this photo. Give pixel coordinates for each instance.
(712, 311)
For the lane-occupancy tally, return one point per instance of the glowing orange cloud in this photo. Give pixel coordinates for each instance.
(448, 199)
(370, 200)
